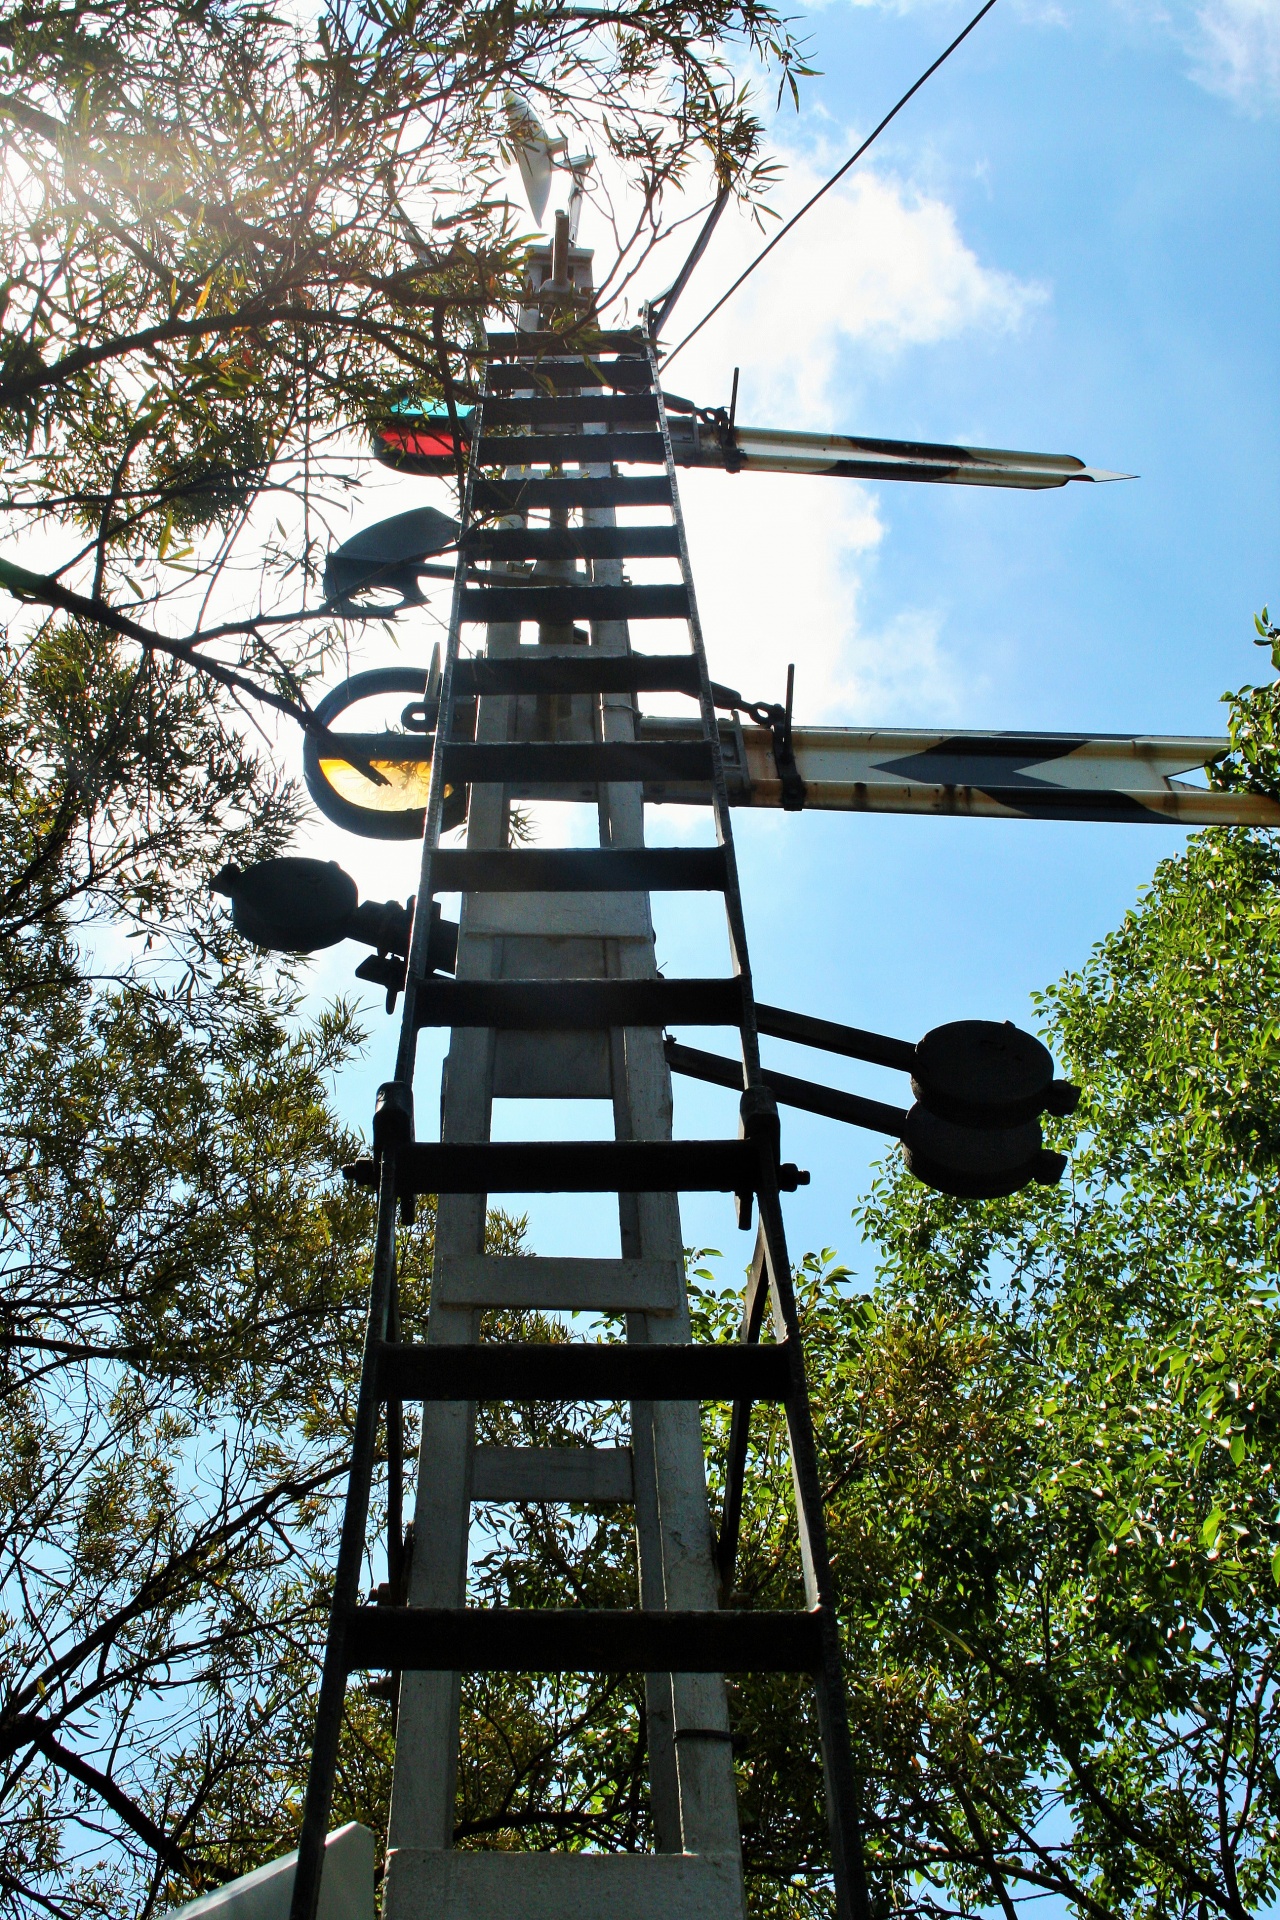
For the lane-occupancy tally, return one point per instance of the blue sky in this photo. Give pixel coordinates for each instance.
(1066, 243)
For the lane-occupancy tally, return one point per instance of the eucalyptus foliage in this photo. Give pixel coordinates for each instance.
(1050, 1432)
(233, 233)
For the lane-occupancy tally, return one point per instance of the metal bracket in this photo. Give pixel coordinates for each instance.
(719, 422)
(777, 720)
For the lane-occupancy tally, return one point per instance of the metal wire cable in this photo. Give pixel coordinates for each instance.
(839, 174)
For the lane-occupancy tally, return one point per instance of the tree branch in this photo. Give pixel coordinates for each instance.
(121, 1804)
(158, 1586)
(46, 591)
(22, 386)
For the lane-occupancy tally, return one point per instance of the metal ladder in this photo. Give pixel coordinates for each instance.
(556, 994)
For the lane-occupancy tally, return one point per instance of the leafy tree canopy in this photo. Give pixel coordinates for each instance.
(231, 234)
(1051, 1439)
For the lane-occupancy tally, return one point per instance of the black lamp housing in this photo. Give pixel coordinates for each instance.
(297, 905)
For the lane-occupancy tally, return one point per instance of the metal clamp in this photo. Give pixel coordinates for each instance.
(777, 720)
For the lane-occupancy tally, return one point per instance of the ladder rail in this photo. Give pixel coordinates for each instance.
(304, 1902)
(735, 1471)
(843, 1792)
(711, 731)
(351, 1555)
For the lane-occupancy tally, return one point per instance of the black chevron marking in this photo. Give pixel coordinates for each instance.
(967, 761)
(892, 470)
(993, 765)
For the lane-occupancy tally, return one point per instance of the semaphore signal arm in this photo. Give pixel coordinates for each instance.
(994, 776)
(412, 440)
(376, 783)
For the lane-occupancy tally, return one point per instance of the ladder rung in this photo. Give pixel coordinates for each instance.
(563, 916)
(518, 495)
(587, 671)
(569, 602)
(573, 1371)
(566, 375)
(557, 1283)
(576, 1166)
(536, 410)
(587, 449)
(547, 1005)
(581, 1640)
(578, 870)
(574, 543)
(575, 340)
(451, 1884)
(551, 763)
(603, 1474)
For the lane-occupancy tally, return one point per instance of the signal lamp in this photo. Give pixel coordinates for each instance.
(980, 1086)
(977, 1163)
(987, 1073)
(297, 905)
(414, 441)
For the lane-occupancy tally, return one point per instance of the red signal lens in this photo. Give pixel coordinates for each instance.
(428, 446)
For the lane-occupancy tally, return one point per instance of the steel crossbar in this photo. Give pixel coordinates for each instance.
(581, 1640)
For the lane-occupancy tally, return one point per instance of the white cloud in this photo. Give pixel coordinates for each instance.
(783, 563)
(776, 562)
(1232, 46)
(877, 263)
(1235, 50)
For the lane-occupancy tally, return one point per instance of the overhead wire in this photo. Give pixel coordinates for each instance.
(839, 174)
